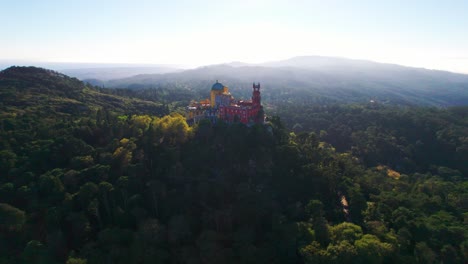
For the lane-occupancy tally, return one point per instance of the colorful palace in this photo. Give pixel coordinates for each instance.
(222, 106)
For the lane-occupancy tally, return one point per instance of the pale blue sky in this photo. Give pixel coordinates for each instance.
(430, 34)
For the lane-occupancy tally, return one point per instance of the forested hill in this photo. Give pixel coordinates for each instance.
(37, 91)
(90, 177)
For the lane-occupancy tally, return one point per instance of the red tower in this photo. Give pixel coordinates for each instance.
(246, 112)
(256, 98)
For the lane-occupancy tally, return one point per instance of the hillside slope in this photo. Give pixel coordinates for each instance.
(44, 92)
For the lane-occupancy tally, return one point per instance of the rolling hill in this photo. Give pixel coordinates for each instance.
(37, 91)
(333, 79)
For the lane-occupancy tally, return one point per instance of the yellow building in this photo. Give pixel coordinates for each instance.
(217, 89)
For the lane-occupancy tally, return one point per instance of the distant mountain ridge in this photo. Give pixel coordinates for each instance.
(104, 74)
(306, 79)
(98, 71)
(337, 79)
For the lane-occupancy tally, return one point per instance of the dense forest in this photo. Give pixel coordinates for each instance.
(91, 175)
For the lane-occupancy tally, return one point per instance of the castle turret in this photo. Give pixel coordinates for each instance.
(256, 98)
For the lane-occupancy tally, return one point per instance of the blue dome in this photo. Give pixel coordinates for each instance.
(217, 86)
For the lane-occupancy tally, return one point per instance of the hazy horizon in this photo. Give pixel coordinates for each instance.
(58, 66)
(425, 34)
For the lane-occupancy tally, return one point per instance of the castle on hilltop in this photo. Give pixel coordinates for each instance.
(222, 106)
